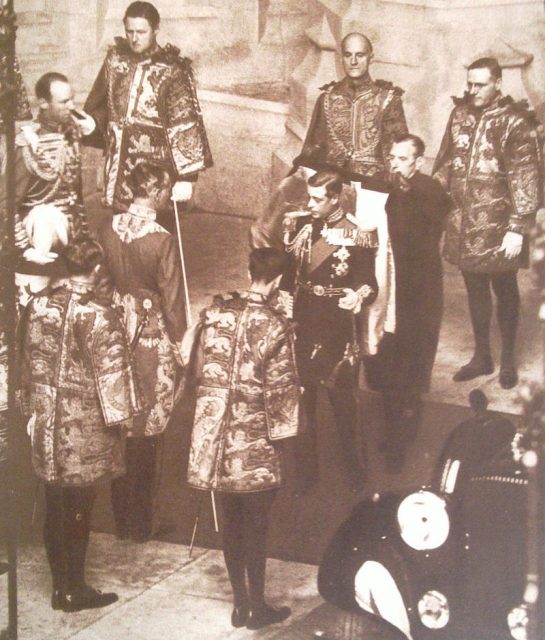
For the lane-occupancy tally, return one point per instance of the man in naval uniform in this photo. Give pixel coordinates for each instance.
(353, 126)
(332, 275)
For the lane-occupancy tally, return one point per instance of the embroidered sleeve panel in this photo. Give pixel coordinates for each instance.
(524, 166)
(184, 123)
(120, 396)
(281, 382)
(454, 148)
(394, 122)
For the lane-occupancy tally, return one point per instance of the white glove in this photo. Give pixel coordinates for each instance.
(512, 244)
(31, 425)
(33, 255)
(350, 301)
(182, 191)
(85, 122)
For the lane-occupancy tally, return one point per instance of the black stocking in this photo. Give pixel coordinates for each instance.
(480, 309)
(506, 289)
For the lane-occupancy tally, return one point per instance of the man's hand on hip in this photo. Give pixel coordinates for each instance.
(512, 244)
(182, 191)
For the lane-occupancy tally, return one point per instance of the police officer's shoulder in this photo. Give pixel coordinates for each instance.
(386, 85)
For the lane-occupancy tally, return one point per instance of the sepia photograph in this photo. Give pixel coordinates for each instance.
(272, 315)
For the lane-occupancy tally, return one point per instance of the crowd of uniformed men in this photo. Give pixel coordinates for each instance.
(345, 267)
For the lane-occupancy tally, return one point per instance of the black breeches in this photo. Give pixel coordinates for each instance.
(132, 494)
(505, 287)
(66, 533)
(245, 526)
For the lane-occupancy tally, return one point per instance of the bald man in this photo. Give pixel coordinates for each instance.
(356, 120)
(354, 124)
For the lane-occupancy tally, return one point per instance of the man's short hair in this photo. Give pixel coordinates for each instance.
(82, 255)
(146, 177)
(491, 64)
(42, 89)
(267, 263)
(331, 180)
(143, 10)
(417, 142)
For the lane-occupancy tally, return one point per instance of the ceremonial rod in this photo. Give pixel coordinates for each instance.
(189, 322)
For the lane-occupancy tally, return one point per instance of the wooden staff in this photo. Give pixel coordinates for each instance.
(189, 322)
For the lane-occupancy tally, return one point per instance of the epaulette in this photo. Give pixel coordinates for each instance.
(389, 86)
(170, 53)
(461, 100)
(522, 109)
(327, 86)
(120, 45)
(367, 238)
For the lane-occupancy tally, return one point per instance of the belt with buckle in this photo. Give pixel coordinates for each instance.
(322, 291)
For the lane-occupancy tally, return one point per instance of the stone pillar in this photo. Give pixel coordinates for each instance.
(283, 42)
(317, 69)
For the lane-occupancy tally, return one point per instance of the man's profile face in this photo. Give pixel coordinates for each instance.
(482, 86)
(61, 101)
(356, 57)
(140, 34)
(320, 204)
(403, 159)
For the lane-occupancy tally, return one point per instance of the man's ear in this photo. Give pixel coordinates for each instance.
(419, 162)
(43, 104)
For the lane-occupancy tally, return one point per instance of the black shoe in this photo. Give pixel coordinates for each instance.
(57, 600)
(265, 615)
(239, 616)
(473, 369)
(508, 376)
(87, 598)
